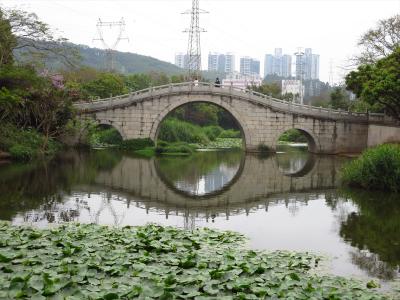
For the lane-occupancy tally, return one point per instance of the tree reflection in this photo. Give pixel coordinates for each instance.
(25, 187)
(376, 228)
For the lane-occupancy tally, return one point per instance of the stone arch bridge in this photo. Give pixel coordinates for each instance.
(262, 119)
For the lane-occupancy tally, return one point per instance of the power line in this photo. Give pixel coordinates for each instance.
(194, 49)
(109, 48)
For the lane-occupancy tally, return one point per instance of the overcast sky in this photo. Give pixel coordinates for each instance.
(244, 27)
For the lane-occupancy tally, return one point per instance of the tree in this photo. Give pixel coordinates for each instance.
(105, 85)
(270, 89)
(339, 99)
(381, 41)
(378, 84)
(7, 41)
(34, 38)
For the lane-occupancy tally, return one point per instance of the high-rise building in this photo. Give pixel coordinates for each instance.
(182, 60)
(229, 63)
(222, 63)
(286, 66)
(213, 61)
(278, 64)
(249, 66)
(307, 65)
(269, 63)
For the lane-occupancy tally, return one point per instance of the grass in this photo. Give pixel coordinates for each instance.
(153, 262)
(376, 169)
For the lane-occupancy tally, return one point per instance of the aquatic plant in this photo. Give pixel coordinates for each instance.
(153, 262)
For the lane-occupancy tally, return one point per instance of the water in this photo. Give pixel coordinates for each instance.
(286, 201)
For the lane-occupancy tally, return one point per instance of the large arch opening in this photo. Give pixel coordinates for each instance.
(294, 148)
(199, 125)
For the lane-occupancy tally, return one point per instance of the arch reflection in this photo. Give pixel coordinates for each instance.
(295, 161)
(201, 175)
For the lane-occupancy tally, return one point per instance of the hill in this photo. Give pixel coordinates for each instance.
(126, 62)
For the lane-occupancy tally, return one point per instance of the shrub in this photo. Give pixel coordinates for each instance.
(137, 144)
(25, 144)
(263, 148)
(293, 135)
(105, 136)
(21, 152)
(376, 169)
(230, 134)
(175, 148)
(173, 130)
(212, 132)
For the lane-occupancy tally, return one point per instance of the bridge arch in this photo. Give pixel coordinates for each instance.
(312, 141)
(110, 123)
(220, 103)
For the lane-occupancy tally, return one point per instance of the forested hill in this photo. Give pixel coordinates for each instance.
(125, 62)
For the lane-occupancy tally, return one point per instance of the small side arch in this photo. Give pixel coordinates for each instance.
(112, 124)
(236, 115)
(313, 142)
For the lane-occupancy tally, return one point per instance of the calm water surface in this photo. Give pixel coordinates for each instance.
(285, 201)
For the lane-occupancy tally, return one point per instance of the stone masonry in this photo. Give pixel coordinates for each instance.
(262, 119)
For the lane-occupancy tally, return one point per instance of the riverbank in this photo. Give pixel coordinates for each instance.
(25, 144)
(98, 262)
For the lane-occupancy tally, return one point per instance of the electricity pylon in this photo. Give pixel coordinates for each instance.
(109, 48)
(194, 49)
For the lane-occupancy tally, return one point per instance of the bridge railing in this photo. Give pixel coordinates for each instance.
(240, 92)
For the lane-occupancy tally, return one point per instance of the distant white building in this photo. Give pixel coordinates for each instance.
(238, 80)
(223, 63)
(181, 60)
(295, 88)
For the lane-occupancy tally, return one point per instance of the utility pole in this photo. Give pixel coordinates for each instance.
(299, 73)
(109, 48)
(194, 49)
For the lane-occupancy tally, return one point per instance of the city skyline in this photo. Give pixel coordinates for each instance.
(279, 64)
(290, 24)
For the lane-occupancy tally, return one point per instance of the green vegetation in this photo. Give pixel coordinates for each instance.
(25, 144)
(376, 169)
(154, 262)
(174, 130)
(262, 148)
(378, 83)
(230, 134)
(293, 136)
(374, 227)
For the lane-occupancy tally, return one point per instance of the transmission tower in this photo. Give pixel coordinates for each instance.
(109, 48)
(194, 49)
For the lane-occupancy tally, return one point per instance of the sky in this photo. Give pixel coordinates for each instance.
(253, 28)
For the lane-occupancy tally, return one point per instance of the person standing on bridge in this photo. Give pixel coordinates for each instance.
(217, 82)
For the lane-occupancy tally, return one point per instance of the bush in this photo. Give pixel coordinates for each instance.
(263, 148)
(294, 136)
(137, 144)
(212, 132)
(375, 169)
(173, 130)
(175, 148)
(230, 134)
(25, 144)
(105, 136)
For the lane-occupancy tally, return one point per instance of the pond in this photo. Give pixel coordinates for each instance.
(290, 200)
